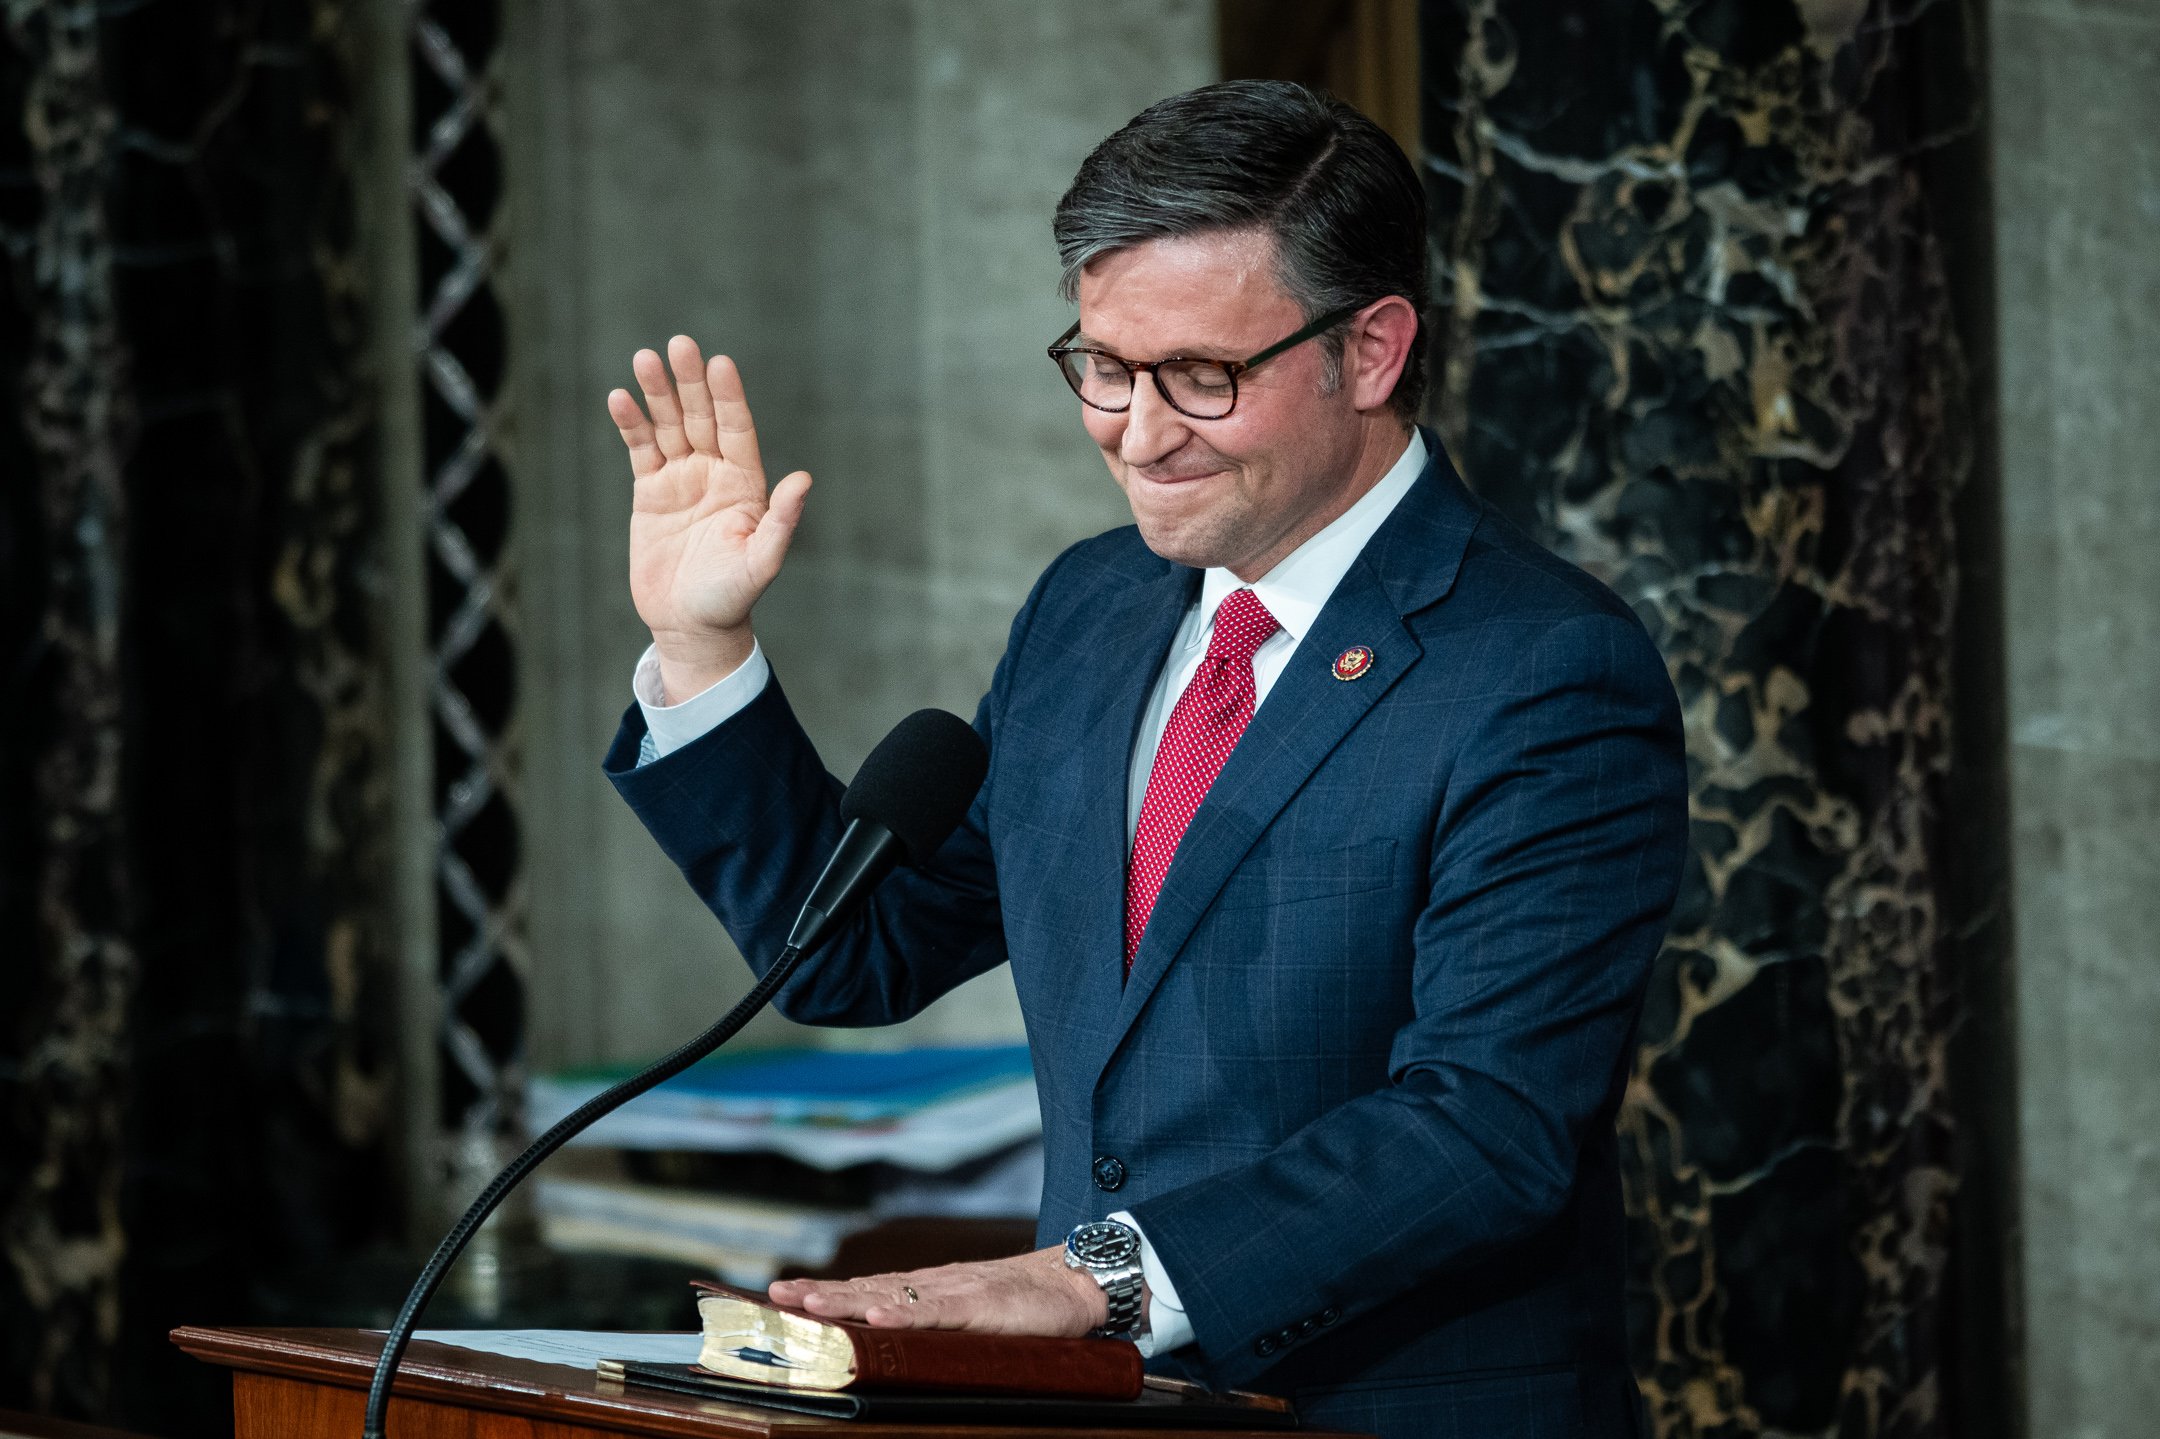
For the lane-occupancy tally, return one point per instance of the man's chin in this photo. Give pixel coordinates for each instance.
(1182, 543)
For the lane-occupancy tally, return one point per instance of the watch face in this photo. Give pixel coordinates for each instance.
(1103, 1245)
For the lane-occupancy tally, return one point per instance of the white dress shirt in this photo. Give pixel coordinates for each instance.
(1293, 592)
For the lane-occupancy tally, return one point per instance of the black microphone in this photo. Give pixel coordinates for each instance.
(908, 797)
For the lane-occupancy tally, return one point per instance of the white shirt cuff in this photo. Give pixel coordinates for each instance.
(1168, 1328)
(670, 727)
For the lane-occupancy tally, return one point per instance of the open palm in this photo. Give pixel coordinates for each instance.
(706, 537)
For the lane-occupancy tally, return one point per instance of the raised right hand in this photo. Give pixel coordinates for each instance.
(705, 537)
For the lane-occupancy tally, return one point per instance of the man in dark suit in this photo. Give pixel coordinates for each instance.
(1330, 828)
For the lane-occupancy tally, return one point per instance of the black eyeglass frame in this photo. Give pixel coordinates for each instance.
(1233, 368)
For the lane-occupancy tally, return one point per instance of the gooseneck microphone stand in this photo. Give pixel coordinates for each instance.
(453, 1243)
(910, 793)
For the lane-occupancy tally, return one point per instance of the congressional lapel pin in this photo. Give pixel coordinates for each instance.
(1352, 663)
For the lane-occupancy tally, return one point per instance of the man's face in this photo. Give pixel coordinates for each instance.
(1243, 491)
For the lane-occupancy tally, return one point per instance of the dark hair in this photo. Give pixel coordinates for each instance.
(1338, 196)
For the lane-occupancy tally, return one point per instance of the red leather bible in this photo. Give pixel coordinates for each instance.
(752, 1340)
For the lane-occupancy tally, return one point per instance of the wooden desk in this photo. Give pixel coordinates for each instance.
(312, 1384)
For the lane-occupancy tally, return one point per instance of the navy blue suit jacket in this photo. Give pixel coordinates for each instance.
(1359, 1089)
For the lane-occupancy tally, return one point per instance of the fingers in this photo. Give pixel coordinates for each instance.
(893, 1301)
(731, 415)
(787, 1291)
(1026, 1294)
(688, 367)
(667, 420)
(768, 543)
(637, 433)
(927, 1311)
(848, 1298)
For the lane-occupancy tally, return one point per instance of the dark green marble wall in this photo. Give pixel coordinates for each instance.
(1700, 333)
(192, 1094)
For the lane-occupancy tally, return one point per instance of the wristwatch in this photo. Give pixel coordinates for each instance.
(1109, 1253)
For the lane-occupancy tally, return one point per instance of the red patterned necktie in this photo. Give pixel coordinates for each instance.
(1203, 729)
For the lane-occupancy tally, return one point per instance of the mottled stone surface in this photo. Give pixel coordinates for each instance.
(1698, 335)
(193, 1094)
(73, 963)
(2076, 143)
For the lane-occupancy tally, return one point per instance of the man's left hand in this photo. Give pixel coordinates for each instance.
(1028, 1294)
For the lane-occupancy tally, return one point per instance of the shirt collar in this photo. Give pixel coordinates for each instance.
(1302, 581)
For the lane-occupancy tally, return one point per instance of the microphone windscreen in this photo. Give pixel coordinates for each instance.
(920, 780)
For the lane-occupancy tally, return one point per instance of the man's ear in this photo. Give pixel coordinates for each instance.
(1377, 349)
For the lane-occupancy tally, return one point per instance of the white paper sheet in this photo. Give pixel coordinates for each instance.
(932, 1139)
(577, 1348)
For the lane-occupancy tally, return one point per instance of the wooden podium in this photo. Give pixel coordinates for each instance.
(312, 1384)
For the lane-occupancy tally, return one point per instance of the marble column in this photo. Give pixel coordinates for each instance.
(74, 966)
(194, 1094)
(1700, 334)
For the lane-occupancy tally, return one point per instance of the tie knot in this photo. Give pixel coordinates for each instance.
(1242, 625)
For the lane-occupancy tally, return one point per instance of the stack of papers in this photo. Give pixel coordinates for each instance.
(947, 1131)
(923, 1109)
(750, 1241)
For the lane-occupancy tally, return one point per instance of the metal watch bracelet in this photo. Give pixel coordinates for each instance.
(1109, 1253)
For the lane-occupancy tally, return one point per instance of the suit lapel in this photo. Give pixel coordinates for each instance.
(1409, 564)
(1304, 717)
(1135, 638)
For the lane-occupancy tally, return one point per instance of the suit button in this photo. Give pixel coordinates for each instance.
(1330, 1314)
(1265, 1347)
(1109, 1173)
(1307, 1326)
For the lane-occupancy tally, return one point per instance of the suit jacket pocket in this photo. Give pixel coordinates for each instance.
(1294, 878)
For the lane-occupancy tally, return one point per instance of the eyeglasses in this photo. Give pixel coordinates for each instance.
(1197, 389)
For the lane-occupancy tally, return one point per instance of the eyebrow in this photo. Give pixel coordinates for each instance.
(1188, 352)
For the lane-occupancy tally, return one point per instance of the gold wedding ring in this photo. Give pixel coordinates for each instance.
(909, 1291)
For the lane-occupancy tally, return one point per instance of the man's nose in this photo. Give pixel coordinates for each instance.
(1152, 427)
